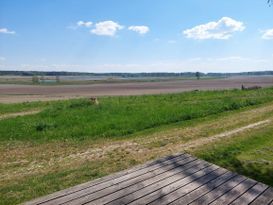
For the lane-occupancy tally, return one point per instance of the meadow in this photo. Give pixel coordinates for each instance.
(73, 141)
(118, 117)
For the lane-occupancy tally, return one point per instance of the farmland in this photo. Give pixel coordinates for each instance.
(22, 92)
(68, 142)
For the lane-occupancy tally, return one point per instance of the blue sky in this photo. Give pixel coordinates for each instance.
(136, 35)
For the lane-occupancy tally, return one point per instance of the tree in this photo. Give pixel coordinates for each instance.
(197, 74)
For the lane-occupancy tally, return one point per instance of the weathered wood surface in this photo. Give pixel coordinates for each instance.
(177, 179)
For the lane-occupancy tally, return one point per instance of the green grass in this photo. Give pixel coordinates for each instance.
(71, 127)
(249, 154)
(20, 107)
(117, 117)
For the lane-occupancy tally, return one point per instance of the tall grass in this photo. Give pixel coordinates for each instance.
(122, 116)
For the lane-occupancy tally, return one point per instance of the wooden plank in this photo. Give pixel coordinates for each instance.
(98, 192)
(183, 178)
(174, 191)
(265, 198)
(62, 193)
(190, 197)
(195, 165)
(250, 195)
(211, 196)
(234, 193)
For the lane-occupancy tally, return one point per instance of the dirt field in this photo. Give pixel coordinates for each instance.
(20, 93)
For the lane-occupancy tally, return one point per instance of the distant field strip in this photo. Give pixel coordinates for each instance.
(11, 93)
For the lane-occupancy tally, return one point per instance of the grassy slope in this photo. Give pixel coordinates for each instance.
(188, 116)
(249, 154)
(122, 116)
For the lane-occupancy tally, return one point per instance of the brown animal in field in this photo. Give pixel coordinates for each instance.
(251, 87)
(94, 100)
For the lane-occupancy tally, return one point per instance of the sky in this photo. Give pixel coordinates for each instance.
(136, 35)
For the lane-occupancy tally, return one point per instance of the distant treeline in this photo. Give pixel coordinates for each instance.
(133, 75)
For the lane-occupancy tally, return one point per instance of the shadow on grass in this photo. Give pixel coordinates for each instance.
(257, 171)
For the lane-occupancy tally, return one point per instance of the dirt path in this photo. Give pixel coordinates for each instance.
(17, 114)
(97, 153)
(199, 142)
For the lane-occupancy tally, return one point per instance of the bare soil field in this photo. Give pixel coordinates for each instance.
(11, 93)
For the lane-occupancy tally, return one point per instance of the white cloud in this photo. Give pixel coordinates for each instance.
(268, 34)
(6, 31)
(87, 24)
(222, 29)
(139, 29)
(2, 58)
(106, 28)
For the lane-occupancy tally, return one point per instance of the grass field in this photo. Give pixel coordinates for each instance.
(250, 154)
(73, 141)
(122, 116)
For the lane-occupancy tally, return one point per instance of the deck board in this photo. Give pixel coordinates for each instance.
(202, 190)
(265, 198)
(234, 193)
(177, 179)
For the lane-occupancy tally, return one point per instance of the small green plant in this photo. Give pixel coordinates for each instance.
(43, 126)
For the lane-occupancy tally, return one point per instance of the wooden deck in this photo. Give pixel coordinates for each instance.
(178, 179)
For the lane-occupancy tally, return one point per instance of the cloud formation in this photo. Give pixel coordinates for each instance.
(221, 29)
(139, 29)
(268, 34)
(87, 24)
(106, 28)
(6, 31)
